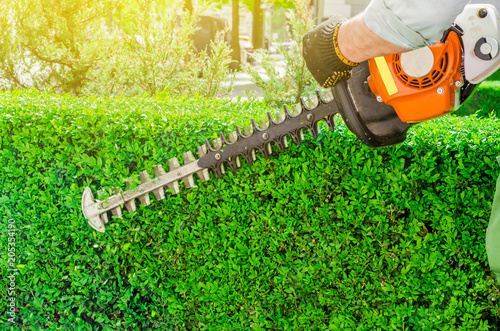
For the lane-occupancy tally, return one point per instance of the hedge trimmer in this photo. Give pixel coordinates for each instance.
(379, 103)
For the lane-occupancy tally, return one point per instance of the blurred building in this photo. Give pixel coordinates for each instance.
(226, 12)
(323, 9)
(274, 20)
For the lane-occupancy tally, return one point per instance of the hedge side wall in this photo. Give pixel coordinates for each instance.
(328, 235)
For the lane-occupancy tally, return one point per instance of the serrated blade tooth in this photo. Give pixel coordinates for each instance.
(116, 212)
(239, 133)
(188, 181)
(304, 104)
(144, 176)
(234, 163)
(233, 137)
(288, 113)
(203, 175)
(281, 143)
(279, 118)
(217, 143)
(316, 128)
(296, 136)
(188, 157)
(201, 150)
(130, 206)
(254, 125)
(330, 122)
(208, 147)
(159, 171)
(265, 151)
(219, 170)
(222, 139)
(263, 125)
(270, 119)
(173, 164)
(173, 187)
(104, 217)
(321, 100)
(145, 200)
(249, 158)
(314, 131)
(160, 192)
(297, 109)
(285, 141)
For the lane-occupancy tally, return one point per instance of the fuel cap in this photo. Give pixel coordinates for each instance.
(486, 48)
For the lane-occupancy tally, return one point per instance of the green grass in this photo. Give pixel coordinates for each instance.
(328, 235)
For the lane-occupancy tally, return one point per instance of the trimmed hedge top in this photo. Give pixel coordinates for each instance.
(328, 235)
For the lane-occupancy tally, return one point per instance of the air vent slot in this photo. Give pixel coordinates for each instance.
(431, 79)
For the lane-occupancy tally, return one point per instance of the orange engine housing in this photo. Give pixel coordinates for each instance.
(417, 85)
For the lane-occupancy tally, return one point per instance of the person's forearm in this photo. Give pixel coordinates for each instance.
(358, 43)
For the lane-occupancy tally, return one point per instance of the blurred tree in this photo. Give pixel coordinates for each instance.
(235, 36)
(257, 25)
(153, 52)
(255, 6)
(51, 43)
(106, 47)
(188, 5)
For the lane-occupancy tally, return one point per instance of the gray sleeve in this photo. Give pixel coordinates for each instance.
(412, 23)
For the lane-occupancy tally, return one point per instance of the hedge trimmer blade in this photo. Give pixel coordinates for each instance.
(223, 151)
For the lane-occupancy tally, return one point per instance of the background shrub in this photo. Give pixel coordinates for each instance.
(330, 234)
(51, 43)
(107, 48)
(285, 85)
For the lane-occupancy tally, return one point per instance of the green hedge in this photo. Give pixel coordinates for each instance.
(484, 101)
(494, 77)
(329, 235)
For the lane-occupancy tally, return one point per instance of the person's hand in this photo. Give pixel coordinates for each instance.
(322, 54)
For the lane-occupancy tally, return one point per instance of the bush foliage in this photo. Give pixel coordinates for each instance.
(329, 235)
(108, 48)
(288, 84)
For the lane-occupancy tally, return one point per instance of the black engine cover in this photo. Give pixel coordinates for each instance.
(374, 123)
